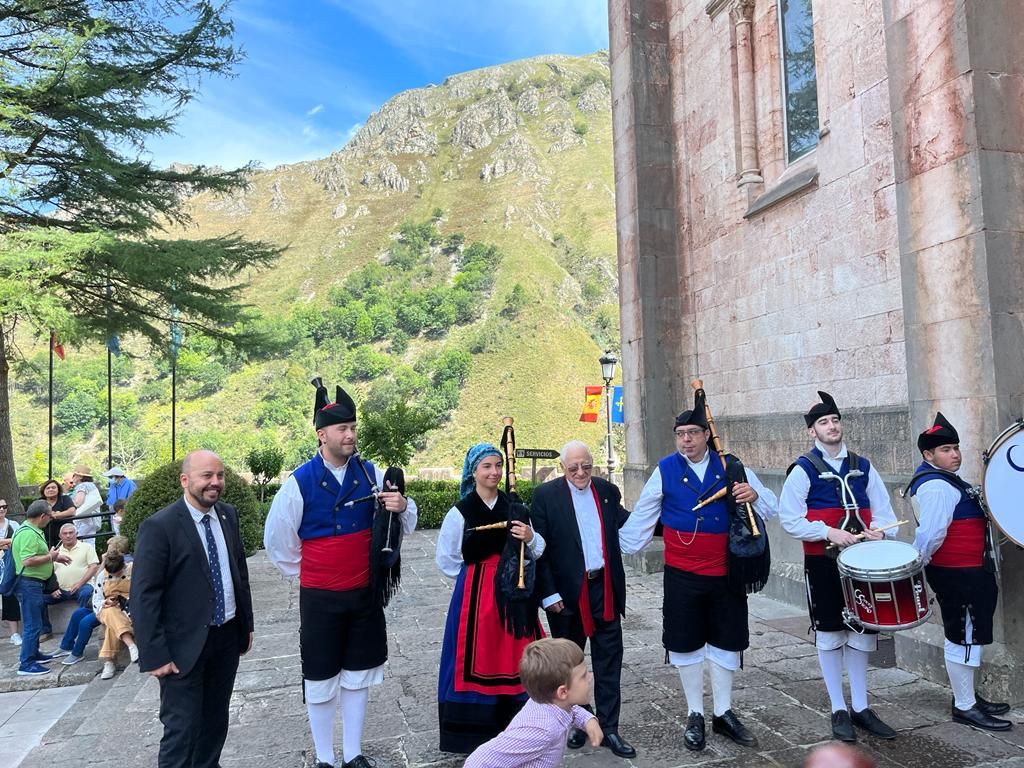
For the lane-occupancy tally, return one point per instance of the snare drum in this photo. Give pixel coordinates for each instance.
(883, 585)
(1003, 484)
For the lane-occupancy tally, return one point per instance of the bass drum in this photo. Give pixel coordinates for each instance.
(1003, 483)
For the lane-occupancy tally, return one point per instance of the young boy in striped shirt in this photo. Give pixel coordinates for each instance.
(555, 675)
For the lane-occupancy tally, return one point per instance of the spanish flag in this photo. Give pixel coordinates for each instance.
(593, 404)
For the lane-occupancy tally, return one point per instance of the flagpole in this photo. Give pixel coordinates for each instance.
(110, 411)
(49, 412)
(174, 404)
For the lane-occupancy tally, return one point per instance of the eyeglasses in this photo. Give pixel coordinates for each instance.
(572, 469)
(688, 432)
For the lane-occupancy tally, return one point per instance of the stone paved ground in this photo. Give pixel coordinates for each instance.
(779, 695)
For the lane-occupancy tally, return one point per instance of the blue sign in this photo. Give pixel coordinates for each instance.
(617, 415)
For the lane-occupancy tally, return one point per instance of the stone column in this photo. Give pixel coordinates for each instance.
(956, 85)
(743, 18)
(647, 223)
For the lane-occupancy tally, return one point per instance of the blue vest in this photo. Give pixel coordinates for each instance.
(965, 509)
(682, 490)
(824, 494)
(324, 512)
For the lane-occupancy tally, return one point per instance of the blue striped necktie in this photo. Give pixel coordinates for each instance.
(218, 583)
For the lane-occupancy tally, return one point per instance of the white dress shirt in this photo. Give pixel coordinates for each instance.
(638, 531)
(448, 555)
(588, 520)
(281, 531)
(793, 500)
(222, 553)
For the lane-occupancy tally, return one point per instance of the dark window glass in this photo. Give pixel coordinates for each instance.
(800, 78)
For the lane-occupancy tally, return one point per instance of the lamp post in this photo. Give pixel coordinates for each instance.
(608, 362)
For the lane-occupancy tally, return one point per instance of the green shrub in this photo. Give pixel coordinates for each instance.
(162, 487)
(435, 497)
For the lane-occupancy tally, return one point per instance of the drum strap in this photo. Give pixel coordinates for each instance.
(950, 477)
(822, 468)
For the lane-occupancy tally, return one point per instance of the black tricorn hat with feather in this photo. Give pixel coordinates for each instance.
(940, 433)
(827, 407)
(325, 413)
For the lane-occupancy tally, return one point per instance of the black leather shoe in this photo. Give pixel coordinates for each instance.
(322, 764)
(576, 739)
(974, 716)
(990, 707)
(693, 736)
(871, 723)
(359, 762)
(729, 725)
(618, 745)
(842, 727)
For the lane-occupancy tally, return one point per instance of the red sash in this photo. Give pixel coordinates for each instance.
(964, 545)
(702, 553)
(483, 649)
(337, 563)
(586, 615)
(831, 517)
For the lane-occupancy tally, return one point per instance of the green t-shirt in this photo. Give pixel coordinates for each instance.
(29, 542)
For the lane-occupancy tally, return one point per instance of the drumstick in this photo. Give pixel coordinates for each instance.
(489, 527)
(888, 527)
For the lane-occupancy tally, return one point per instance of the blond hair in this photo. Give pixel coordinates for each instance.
(120, 544)
(547, 664)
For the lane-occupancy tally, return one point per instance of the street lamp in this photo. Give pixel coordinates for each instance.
(608, 362)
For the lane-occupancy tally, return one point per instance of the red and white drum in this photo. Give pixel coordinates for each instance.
(883, 585)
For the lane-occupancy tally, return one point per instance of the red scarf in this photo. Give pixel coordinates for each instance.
(586, 615)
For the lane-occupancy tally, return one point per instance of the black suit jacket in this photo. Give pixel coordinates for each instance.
(560, 568)
(172, 589)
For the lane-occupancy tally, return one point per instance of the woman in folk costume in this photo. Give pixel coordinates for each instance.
(479, 691)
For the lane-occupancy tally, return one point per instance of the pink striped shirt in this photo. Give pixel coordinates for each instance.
(534, 739)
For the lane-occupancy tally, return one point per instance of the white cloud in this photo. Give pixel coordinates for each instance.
(315, 110)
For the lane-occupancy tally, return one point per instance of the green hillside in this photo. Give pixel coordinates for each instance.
(518, 157)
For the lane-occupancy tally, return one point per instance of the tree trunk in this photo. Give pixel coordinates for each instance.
(8, 477)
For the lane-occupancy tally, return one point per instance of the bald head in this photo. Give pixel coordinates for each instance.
(838, 756)
(202, 478)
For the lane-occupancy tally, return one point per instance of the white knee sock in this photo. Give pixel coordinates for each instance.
(353, 712)
(857, 672)
(831, 662)
(321, 725)
(961, 679)
(692, 678)
(721, 688)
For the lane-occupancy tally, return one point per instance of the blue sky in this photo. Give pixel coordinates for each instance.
(315, 69)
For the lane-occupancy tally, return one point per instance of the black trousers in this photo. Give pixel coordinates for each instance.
(605, 651)
(194, 707)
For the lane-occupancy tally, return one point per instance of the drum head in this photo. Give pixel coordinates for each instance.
(883, 555)
(1003, 485)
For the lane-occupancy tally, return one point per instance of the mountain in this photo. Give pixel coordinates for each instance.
(516, 159)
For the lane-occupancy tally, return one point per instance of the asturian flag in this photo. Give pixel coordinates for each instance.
(617, 415)
(592, 406)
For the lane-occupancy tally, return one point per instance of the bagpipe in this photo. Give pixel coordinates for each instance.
(517, 568)
(749, 557)
(386, 533)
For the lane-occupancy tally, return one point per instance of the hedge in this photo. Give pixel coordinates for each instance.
(162, 487)
(435, 497)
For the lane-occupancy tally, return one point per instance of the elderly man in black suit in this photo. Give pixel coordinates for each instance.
(581, 580)
(192, 612)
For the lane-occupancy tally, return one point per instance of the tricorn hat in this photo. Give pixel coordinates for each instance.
(696, 417)
(325, 413)
(826, 407)
(940, 433)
